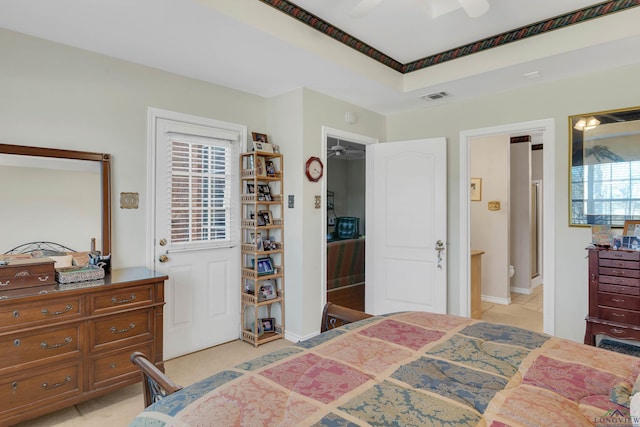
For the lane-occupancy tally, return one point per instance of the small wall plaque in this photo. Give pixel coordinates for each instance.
(494, 205)
(129, 200)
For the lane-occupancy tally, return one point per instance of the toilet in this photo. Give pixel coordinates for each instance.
(512, 271)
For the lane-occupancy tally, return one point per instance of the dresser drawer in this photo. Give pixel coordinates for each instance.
(621, 255)
(107, 302)
(22, 315)
(113, 366)
(621, 272)
(617, 263)
(122, 329)
(628, 302)
(27, 273)
(18, 349)
(41, 387)
(618, 280)
(617, 331)
(625, 290)
(619, 315)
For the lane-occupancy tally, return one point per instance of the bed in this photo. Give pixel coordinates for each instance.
(413, 369)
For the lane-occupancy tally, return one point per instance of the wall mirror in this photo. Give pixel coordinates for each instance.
(604, 167)
(62, 196)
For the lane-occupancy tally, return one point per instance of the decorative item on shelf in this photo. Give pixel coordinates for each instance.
(79, 274)
(267, 291)
(601, 235)
(264, 218)
(256, 239)
(264, 193)
(631, 228)
(261, 168)
(260, 137)
(257, 328)
(265, 266)
(102, 261)
(268, 324)
(631, 242)
(271, 169)
(251, 188)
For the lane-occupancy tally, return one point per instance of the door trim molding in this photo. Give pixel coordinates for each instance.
(547, 126)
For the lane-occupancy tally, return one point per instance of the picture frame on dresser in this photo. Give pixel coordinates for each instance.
(631, 228)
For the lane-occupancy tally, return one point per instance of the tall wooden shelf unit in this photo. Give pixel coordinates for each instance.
(262, 223)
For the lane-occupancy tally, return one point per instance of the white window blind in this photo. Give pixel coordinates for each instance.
(201, 177)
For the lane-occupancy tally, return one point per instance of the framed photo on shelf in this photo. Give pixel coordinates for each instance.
(267, 291)
(476, 189)
(259, 137)
(271, 168)
(251, 188)
(257, 329)
(265, 266)
(631, 228)
(264, 191)
(268, 324)
(261, 167)
(631, 242)
(264, 218)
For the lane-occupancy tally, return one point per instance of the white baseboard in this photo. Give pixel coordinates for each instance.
(496, 300)
(297, 338)
(525, 291)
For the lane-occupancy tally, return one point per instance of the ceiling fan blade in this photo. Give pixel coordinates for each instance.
(363, 8)
(474, 8)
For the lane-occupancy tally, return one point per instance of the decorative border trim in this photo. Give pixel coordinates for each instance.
(561, 21)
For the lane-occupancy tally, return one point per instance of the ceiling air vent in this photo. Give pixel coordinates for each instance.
(434, 96)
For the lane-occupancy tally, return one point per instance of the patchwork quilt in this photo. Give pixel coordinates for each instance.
(413, 369)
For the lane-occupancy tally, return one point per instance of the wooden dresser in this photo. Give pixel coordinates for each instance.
(62, 347)
(614, 295)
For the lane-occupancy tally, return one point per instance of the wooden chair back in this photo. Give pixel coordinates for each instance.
(155, 384)
(334, 316)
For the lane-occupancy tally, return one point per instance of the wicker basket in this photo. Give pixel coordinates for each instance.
(79, 274)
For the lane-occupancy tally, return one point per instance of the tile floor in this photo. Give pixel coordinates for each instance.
(524, 311)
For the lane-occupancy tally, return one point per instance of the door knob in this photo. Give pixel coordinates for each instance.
(163, 258)
(440, 248)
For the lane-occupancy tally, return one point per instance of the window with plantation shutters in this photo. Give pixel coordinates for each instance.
(200, 186)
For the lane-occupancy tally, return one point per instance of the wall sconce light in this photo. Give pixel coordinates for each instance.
(586, 123)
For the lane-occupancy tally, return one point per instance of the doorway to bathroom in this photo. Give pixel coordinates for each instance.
(525, 242)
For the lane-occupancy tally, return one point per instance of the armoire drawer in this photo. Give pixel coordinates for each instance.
(40, 387)
(619, 315)
(618, 263)
(621, 272)
(21, 348)
(122, 329)
(617, 331)
(46, 311)
(628, 302)
(121, 299)
(619, 280)
(111, 366)
(617, 289)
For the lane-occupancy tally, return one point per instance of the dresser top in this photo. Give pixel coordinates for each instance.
(122, 276)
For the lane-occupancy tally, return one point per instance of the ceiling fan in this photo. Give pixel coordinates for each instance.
(434, 8)
(341, 150)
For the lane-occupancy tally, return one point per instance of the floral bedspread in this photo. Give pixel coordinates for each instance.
(413, 369)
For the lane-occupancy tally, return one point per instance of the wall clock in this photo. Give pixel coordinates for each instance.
(314, 169)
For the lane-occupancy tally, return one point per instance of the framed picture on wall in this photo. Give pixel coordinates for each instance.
(476, 189)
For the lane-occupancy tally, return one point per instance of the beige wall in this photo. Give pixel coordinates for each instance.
(56, 96)
(556, 100)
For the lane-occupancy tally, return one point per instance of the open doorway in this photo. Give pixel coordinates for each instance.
(546, 129)
(344, 219)
(504, 226)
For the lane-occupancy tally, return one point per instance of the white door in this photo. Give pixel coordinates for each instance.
(407, 226)
(195, 196)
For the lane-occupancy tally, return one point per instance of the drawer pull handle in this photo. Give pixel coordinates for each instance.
(114, 330)
(57, 313)
(45, 346)
(617, 331)
(617, 300)
(113, 366)
(17, 342)
(14, 387)
(123, 301)
(43, 279)
(5, 283)
(46, 386)
(617, 315)
(16, 314)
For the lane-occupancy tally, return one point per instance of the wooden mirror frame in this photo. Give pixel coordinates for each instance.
(105, 177)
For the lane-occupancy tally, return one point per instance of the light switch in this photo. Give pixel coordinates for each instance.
(291, 200)
(317, 203)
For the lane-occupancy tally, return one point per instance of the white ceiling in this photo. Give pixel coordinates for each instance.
(251, 46)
